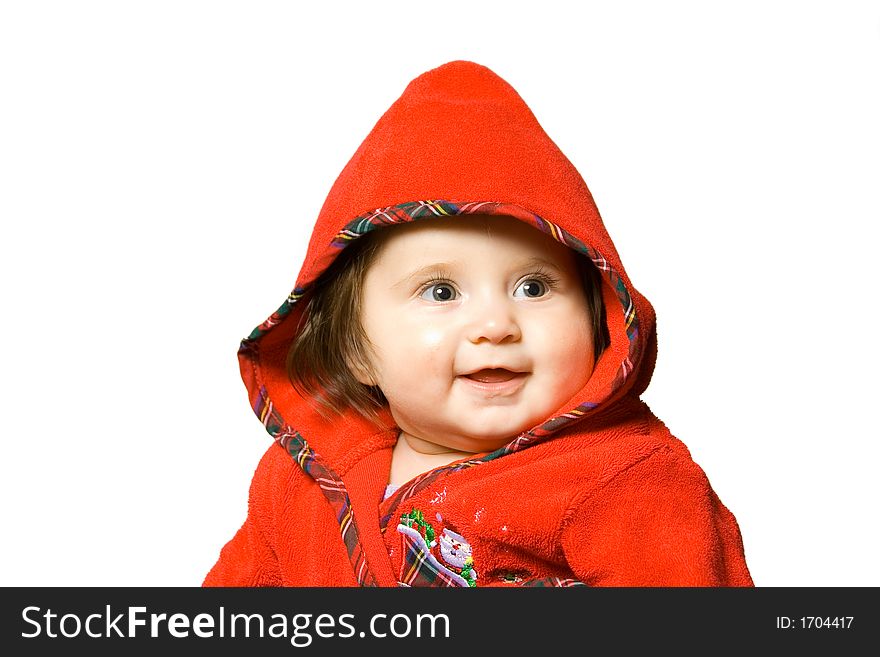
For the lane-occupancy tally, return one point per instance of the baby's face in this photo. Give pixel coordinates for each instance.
(479, 329)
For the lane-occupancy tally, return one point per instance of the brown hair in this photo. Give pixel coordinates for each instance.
(331, 342)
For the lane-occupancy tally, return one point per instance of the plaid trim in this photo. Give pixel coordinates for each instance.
(268, 416)
(275, 318)
(334, 490)
(404, 213)
(416, 211)
(331, 485)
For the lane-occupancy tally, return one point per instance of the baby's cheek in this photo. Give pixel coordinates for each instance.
(569, 353)
(432, 352)
(418, 358)
(431, 339)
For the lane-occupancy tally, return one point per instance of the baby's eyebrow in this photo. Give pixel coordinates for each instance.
(536, 264)
(432, 270)
(538, 261)
(445, 269)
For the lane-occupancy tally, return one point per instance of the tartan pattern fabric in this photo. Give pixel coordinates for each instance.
(334, 491)
(269, 417)
(283, 310)
(296, 445)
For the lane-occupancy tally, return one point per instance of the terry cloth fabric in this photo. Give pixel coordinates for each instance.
(600, 493)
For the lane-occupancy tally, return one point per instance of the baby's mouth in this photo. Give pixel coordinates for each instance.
(493, 375)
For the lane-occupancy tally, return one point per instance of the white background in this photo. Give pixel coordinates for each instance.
(162, 163)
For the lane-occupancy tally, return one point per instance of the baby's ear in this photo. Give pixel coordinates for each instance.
(364, 376)
(358, 365)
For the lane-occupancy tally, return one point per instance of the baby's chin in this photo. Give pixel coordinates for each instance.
(484, 434)
(477, 441)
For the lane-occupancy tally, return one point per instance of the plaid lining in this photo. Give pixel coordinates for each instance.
(331, 485)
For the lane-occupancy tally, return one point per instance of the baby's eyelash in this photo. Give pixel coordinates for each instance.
(547, 278)
(440, 278)
(436, 279)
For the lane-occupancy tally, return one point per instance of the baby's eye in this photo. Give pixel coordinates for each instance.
(439, 292)
(531, 288)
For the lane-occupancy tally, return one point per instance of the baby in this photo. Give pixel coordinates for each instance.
(453, 384)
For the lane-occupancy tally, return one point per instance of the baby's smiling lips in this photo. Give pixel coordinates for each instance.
(494, 382)
(492, 375)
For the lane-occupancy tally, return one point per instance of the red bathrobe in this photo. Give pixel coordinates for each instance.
(598, 494)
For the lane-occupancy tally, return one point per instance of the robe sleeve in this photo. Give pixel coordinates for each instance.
(656, 523)
(249, 558)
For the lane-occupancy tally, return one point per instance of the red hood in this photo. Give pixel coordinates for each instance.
(458, 141)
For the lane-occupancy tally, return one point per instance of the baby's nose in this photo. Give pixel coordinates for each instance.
(493, 321)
